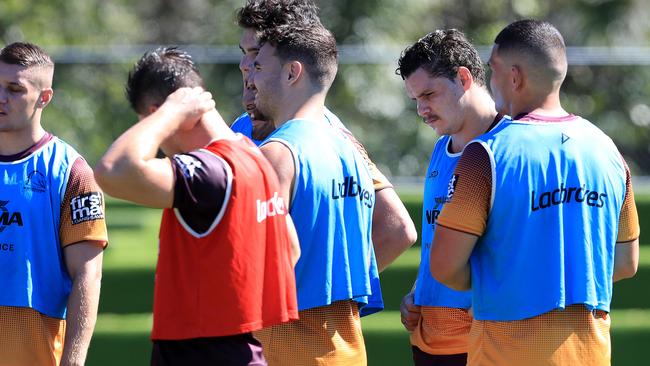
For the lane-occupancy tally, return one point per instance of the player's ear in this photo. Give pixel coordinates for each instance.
(516, 77)
(45, 98)
(295, 70)
(465, 77)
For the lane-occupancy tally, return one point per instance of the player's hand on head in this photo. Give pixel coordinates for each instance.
(409, 312)
(190, 104)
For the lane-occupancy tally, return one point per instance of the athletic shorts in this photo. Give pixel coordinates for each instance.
(421, 358)
(574, 336)
(327, 335)
(237, 350)
(442, 330)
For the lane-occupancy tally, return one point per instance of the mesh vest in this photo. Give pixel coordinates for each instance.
(558, 188)
(332, 207)
(31, 193)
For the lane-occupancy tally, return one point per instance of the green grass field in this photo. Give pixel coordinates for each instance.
(122, 331)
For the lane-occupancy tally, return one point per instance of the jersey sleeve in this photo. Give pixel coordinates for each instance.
(628, 222)
(469, 193)
(379, 180)
(83, 207)
(202, 180)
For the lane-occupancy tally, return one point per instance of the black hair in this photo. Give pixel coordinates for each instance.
(264, 14)
(159, 73)
(313, 45)
(441, 53)
(533, 37)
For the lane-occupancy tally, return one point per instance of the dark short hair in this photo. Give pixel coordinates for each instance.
(441, 53)
(25, 54)
(312, 45)
(264, 14)
(159, 73)
(537, 39)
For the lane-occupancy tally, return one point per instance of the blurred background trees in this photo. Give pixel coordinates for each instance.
(95, 43)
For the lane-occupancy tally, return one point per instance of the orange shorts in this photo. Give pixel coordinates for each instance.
(29, 337)
(442, 330)
(574, 336)
(326, 335)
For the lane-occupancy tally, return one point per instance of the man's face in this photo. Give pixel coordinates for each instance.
(19, 96)
(499, 81)
(437, 100)
(249, 45)
(265, 81)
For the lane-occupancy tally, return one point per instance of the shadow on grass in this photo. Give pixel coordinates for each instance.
(127, 291)
(629, 347)
(388, 348)
(633, 292)
(395, 283)
(109, 349)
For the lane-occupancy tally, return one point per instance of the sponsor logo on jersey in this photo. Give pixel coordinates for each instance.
(432, 174)
(87, 207)
(564, 195)
(432, 214)
(6, 247)
(350, 188)
(35, 182)
(451, 188)
(188, 164)
(8, 218)
(271, 207)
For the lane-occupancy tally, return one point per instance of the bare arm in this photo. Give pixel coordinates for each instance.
(626, 251)
(281, 159)
(393, 230)
(293, 238)
(626, 259)
(84, 263)
(130, 169)
(449, 258)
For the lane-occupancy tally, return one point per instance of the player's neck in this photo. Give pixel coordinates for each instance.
(547, 105)
(14, 142)
(477, 122)
(312, 108)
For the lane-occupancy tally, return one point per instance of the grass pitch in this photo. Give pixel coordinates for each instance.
(122, 332)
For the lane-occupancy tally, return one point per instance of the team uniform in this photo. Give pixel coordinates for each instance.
(224, 266)
(48, 200)
(244, 125)
(548, 209)
(336, 276)
(442, 333)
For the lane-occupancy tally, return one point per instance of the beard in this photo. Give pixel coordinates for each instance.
(262, 124)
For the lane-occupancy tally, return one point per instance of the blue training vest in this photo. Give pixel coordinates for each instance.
(558, 189)
(244, 125)
(331, 206)
(428, 291)
(31, 192)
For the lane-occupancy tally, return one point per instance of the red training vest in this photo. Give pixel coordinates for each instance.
(238, 278)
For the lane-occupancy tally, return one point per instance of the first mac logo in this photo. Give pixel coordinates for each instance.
(86, 207)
